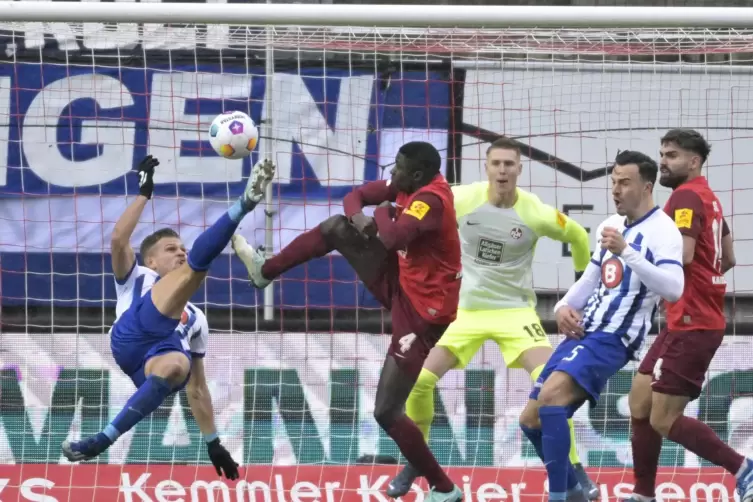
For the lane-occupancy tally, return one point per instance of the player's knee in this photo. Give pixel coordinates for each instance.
(334, 228)
(559, 390)
(665, 410)
(529, 417)
(662, 420)
(173, 367)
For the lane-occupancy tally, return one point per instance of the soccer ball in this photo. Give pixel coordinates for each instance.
(233, 135)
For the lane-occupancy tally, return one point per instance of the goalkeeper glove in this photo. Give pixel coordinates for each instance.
(222, 460)
(146, 176)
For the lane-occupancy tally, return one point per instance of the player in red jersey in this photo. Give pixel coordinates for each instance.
(408, 256)
(674, 368)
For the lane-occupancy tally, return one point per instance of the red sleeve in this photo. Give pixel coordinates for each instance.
(423, 215)
(725, 228)
(686, 209)
(370, 194)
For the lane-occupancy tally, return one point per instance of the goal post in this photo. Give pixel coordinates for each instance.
(87, 89)
(452, 16)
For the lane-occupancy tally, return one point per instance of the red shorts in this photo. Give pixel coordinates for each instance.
(678, 361)
(412, 336)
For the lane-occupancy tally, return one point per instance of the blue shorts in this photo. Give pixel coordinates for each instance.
(591, 362)
(141, 333)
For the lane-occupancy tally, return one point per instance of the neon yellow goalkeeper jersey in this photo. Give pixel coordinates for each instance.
(498, 245)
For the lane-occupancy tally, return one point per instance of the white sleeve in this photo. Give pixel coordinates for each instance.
(124, 286)
(199, 338)
(665, 276)
(579, 293)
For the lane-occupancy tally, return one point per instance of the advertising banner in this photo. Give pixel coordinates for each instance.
(294, 399)
(71, 135)
(326, 483)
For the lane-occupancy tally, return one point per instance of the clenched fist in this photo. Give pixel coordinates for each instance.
(612, 240)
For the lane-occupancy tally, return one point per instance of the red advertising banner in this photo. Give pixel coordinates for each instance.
(182, 483)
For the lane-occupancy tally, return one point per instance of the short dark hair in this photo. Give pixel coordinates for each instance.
(647, 167)
(148, 243)
(690, 140)
(424, 155)
(504, 144)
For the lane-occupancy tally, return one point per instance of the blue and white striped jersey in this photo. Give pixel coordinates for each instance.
(193, 328)
(621, 303)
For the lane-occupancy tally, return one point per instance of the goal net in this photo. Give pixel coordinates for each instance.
(293, 393)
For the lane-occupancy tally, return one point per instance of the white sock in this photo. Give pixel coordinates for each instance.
(641, 498)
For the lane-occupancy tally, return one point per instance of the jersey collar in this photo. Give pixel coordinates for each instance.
(698, 180)
(642, 218)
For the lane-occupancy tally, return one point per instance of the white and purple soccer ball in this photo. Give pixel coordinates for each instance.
(233, 135)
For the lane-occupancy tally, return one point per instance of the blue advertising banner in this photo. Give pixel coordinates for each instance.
(71, 137)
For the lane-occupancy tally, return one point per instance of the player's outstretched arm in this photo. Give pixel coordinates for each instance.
(123, 257)
(200, 401)
(665, 276)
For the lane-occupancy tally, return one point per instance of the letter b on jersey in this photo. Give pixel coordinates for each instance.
(612, 271)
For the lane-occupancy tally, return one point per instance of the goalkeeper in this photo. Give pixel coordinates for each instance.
(499, 227)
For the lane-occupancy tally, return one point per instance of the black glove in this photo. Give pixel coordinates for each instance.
(146, 176)
(222, 460)
(578, 275)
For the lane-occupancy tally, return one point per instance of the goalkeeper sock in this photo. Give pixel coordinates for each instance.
(420, 404)
(574, 457)
(144, 401)
(556, 446)
(211, 242)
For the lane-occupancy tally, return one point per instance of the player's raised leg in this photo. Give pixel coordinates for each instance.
(166, 365)
(366, 255)
(173, 291)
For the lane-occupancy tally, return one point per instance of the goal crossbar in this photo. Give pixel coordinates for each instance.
(378, 15)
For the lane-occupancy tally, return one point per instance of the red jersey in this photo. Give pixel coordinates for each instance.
(430, 267)
(698, 213)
